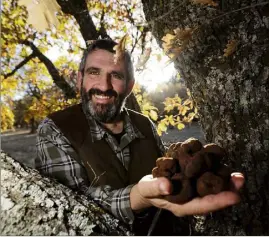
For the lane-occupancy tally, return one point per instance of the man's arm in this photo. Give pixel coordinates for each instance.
(56, 159)
(149, 192)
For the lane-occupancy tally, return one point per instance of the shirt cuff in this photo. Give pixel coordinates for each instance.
(121, 205)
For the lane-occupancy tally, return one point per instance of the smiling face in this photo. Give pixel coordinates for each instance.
(104, 86)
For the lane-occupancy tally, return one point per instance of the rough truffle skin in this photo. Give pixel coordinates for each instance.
(193, 169)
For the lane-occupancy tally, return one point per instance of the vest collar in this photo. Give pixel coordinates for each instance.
(98, 131)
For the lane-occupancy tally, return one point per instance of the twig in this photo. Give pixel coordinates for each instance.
(96, 178)
(240, 9)
(21, 64)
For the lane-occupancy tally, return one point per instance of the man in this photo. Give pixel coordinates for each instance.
(104, 150)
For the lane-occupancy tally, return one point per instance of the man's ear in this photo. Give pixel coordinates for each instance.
(79, 80)
(130, 86)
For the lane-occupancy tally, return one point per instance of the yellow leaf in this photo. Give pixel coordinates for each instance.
(153, 115)
(180, 126)
(168, 37)
(184, 110)
(120, 48)
(44, 11)
(230, 48)
(162, 127)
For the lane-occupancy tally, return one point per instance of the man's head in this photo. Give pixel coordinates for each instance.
(104, 84)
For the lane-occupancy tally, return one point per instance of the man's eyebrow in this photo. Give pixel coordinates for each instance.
(92, 68)
(118, 73)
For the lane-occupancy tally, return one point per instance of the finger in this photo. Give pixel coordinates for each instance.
(156, 187)
(204, 205)
(147, 177)
(238, 180)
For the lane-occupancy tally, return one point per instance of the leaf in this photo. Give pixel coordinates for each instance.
(162, 127)
(184, 110)
(44, 11)
(143, 58)
(173, 44)
(171, 120)
(230, 48)
(153, 115)
(120, 48)
(180, 126)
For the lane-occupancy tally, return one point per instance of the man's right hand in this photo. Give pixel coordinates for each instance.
(149, 192)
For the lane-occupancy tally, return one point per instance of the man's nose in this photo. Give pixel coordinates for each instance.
(105, 82)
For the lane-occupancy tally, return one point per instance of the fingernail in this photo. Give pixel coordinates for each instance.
(163, 189)
(237, 174)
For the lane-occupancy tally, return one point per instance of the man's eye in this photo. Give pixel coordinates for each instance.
(117, 76)
(93, 72)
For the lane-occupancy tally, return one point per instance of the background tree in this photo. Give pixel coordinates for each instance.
(30, 50)
(221, 49)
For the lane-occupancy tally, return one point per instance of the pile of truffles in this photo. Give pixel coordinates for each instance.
(193, 169)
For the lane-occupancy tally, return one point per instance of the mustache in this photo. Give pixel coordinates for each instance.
(95, 91)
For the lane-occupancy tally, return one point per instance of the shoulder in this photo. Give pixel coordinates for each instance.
(48, 131)
(73, 110)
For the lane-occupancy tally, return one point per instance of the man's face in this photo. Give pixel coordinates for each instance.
(103, 86)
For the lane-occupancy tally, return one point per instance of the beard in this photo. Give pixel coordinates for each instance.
(104, 113)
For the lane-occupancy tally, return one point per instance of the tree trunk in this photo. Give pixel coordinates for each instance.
(34, 205)
(231, 93)
(33, 125)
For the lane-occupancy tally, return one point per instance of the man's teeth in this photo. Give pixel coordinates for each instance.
(102, 97)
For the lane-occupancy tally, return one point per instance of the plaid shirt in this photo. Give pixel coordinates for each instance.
(57, 159)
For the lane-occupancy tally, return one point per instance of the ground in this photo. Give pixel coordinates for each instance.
(21, 145)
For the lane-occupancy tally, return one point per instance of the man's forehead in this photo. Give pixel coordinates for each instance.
(103, 56)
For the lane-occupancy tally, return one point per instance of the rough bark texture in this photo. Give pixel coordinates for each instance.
(34, 205)
(231, 94)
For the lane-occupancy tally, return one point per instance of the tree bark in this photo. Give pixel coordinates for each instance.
(231, 93)
(34, 205)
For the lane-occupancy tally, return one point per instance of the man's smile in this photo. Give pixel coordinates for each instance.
(103, 99)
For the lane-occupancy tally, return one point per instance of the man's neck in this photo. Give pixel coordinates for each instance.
(115, 127)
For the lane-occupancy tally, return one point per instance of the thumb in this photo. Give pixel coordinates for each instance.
(238, 181)
(150, 188)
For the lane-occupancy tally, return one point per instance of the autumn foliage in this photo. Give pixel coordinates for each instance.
(40, 59)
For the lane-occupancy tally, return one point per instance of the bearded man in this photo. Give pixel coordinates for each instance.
(105, 150)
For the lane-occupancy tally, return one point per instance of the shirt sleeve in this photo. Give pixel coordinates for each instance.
(56, 159)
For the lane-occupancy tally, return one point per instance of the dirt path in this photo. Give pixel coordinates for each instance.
(21, 145)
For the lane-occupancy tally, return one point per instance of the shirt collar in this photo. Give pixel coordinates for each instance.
(98, 131)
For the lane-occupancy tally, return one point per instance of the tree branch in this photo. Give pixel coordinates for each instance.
(80, 11)
(59, 80)
(21, 64)
(102, 30)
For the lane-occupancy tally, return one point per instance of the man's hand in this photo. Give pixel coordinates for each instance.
(148, 192)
